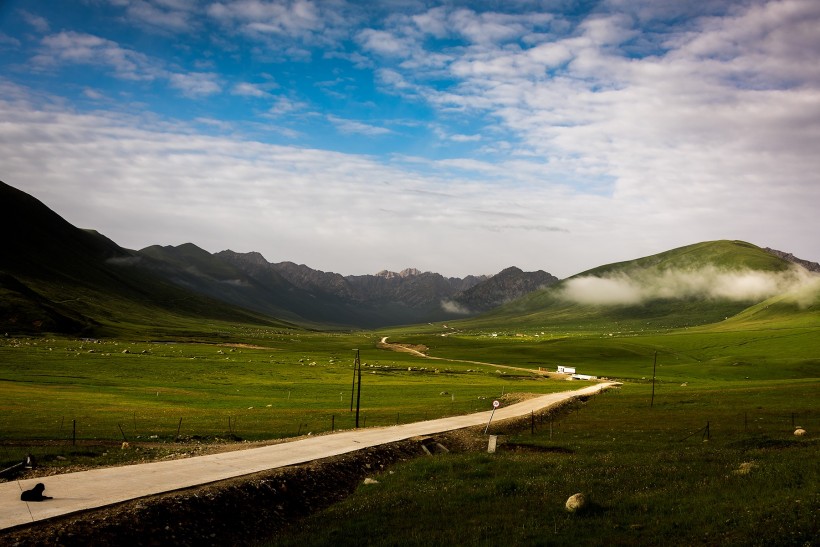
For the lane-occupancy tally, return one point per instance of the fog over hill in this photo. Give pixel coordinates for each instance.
(709, 282)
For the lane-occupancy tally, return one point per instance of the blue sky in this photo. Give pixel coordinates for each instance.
(458, 137)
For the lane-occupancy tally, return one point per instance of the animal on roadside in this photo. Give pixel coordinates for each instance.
(35, 494)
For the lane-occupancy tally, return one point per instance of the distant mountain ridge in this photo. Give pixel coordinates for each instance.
(55, 277)
(811, 266)
(426, 296)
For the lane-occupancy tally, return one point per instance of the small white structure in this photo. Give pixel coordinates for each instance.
(565, 370)
(583, 377)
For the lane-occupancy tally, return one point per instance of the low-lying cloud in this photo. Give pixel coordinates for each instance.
(634, 288)
(454, 307)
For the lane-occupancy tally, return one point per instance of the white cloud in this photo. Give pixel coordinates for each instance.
(142, 184)
(39, 23)
(249, 90)
(716, 126)
(168, 15)
(93, 94)
(465, 138)
(195, 84)
(353, 126)
(70, 47)
(6, 40)
(309, 22)
(646, 125)
(81, 48)
(385, 43)
(285, 105)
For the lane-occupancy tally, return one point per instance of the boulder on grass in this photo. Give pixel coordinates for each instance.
(577, 502)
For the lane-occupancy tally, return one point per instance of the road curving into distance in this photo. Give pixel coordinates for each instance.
(85, 490)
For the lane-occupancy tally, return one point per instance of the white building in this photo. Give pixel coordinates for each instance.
(583, 377)
(566, 370)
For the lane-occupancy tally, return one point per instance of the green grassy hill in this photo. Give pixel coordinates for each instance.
(675, 286)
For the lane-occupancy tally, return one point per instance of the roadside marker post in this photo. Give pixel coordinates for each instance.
(496, 404)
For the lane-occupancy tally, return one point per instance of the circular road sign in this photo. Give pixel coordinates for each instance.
(496, 404)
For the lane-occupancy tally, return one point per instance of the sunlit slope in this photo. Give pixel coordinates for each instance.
(699, 284)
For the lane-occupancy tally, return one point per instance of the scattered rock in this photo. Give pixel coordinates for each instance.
(745, 468)
(368, 480)
(125, 445)
(799, 431)
(577, 502)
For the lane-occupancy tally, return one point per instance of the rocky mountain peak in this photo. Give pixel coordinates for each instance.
(407, 272)
(811, 266)
(253, 257)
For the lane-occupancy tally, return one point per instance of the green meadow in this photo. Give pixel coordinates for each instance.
(653, 477)
(274, 384)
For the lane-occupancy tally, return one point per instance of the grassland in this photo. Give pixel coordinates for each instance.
(274, 384)
(652, 474)
(711, 458)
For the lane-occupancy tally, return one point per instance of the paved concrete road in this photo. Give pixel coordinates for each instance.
(85, 490)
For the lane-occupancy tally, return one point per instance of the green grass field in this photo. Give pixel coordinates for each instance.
(285, 383)
(651, 473)
(655, 476)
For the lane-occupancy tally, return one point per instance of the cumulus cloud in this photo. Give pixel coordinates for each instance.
(638, 287)
(142, 182)
(82, 48)
(166, 15)
(270, 21)
(195, 84)
(246, 89)
(39, 23)
(69, 47)
(357, 127)
(651, 124)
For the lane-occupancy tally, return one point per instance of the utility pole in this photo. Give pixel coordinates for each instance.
(357, 374)
(654, 366)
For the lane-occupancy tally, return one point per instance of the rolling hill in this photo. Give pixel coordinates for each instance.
(699, 284)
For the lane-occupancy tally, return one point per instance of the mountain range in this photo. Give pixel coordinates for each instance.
(56, 277)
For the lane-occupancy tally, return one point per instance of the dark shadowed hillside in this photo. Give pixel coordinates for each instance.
(503, 287)
(56, 277)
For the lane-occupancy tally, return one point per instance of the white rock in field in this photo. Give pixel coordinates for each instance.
(745, 468)
(368, 480)
(799, 431)
(576, 502)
